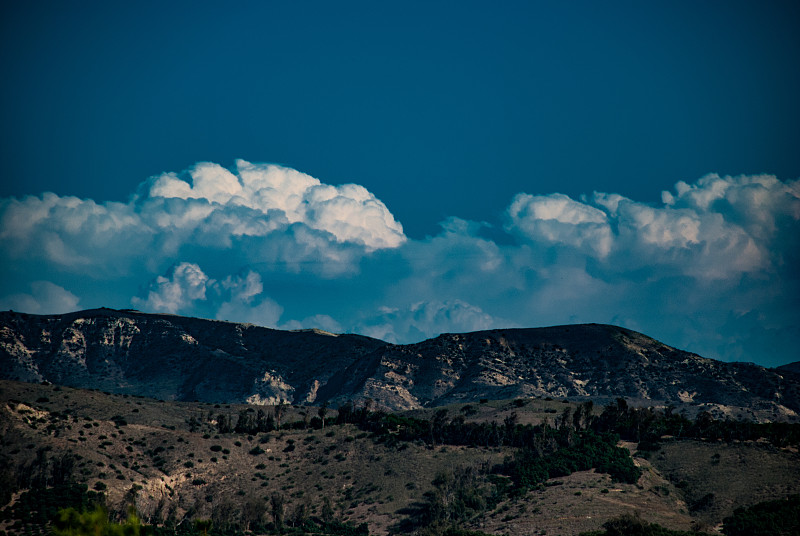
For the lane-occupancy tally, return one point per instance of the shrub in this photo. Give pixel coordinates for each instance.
(774, 518)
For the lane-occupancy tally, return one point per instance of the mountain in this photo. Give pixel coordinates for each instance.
(178, 358)
(173, 357)
(790, 367)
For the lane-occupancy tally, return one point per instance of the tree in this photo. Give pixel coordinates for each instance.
(203, 526)
(244, 424)
(279, 411)
(327, 510)
(253, 511)
(224, 424)
(277, 502)
(300, 516)
(322, 411)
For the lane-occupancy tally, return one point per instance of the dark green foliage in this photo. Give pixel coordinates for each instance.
(633, 525)
(458, 496)
(648, 426)
(530, 468)
(703, 503)
(772, 518)
(38, 506)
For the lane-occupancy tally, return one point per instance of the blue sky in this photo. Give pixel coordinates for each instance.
(505, 166)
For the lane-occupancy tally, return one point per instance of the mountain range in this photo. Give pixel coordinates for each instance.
(179, 358)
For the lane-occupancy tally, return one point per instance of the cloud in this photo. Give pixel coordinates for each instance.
(712, 268)
(322, 322)
(44, 298)
(280, 196)
(245, 301)
(257, 212)
(717, 228)
(426, 319)
(558, 220)
(185, 285)
(187, 289)
(675, 270)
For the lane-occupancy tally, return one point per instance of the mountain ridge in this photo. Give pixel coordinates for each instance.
(182, 358)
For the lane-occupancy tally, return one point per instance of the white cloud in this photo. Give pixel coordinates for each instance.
(349, 212)
(258, 212)
(559, 220)
(44, 298)
(185, 285)
(276, 247)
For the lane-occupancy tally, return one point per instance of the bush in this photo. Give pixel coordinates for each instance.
(773, 518)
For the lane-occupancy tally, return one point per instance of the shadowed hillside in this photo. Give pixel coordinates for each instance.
(177, 358)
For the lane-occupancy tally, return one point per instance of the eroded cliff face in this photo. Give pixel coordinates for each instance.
(172, 357)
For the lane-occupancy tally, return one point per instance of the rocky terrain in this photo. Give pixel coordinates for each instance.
(177, 358)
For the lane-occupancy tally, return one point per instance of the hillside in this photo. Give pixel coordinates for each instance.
(177, 358)
(172, 357)
(170, 461)
(597, 362)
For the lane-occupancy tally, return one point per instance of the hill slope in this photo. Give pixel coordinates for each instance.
(172, 357)
(177, 358)
(172, 463)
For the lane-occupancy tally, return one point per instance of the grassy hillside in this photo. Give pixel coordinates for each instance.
(171, 462)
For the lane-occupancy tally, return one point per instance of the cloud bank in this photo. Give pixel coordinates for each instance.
(713, 268)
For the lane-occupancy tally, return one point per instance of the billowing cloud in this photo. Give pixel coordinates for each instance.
(185, 285)
(558, 220)
(262, 197)
(259, 213)
(187, 289)
(44, 298)
(713, 268)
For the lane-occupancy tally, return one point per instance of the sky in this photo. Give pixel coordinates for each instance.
(404, 169)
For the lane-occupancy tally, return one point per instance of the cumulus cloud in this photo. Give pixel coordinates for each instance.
(559, 220)
(257, 212)
(717, 228)
(280, 196)
(44, 298)
(187, 289)
(185, 285)
(712, 268)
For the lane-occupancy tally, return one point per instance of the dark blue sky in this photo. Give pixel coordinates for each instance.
(443, 115)
(439, 109)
